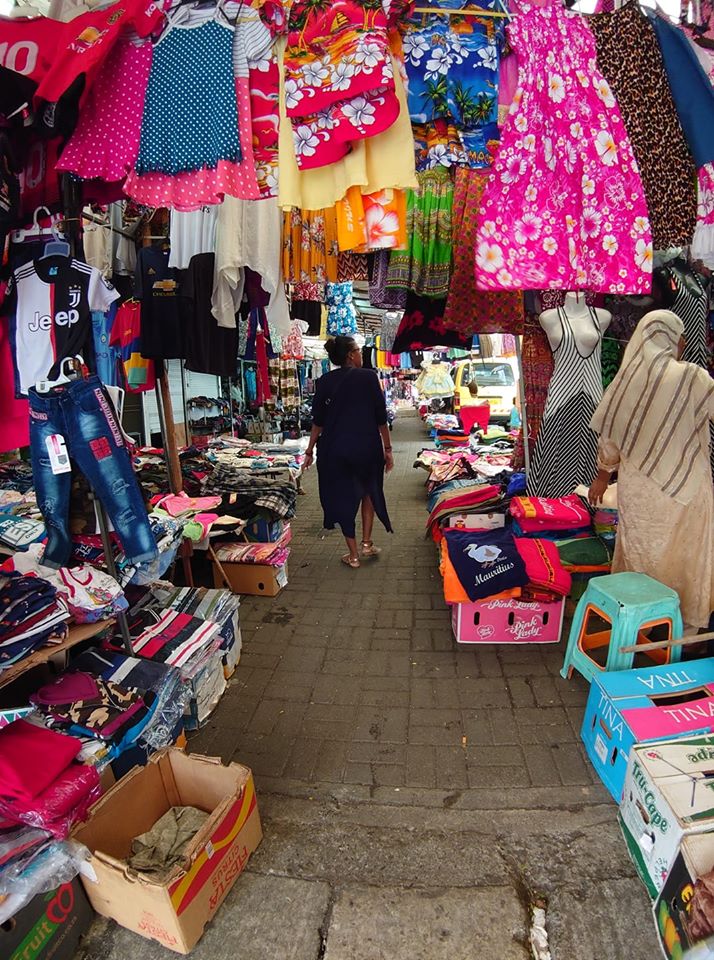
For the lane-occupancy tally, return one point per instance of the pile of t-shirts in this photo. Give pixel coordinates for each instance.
(40, 782)
(552, 518)
(151, 470)
(170, 637)
(168, 534)
(158, 680)
(446, 439)
(88, 706)
(31, 616)
(218, 606)
(476, 565)
(90, 594)
(442, 421)
(547, 578)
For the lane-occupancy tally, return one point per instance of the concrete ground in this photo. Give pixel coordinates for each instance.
(416, 796)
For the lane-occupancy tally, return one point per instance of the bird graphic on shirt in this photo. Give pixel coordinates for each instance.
(487, 554)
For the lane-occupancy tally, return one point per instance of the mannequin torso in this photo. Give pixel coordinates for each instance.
(588, 324)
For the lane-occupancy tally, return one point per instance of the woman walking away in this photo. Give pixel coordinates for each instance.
(349, 426)
(654, 430)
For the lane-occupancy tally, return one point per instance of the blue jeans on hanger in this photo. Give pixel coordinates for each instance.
(83, 415)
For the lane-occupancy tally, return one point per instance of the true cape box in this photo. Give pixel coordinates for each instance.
(626, 707)
(668, 795)
(173, 911)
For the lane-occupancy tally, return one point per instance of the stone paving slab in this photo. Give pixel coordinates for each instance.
(453, 924)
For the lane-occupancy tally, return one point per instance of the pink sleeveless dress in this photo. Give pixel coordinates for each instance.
(565, 207)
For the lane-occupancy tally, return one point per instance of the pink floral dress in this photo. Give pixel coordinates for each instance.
(565, 206)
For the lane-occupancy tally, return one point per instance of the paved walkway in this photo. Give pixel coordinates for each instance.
(416, 796)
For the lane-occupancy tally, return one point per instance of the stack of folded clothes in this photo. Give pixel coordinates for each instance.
(16, 475)
(251, 493)
(585, 554)
(90, 594)
(553, 519)
(219, 606)
(32, 615)
(87, 706)
(171, 695)
(548, 581)
(477, 565)
(168, 534)
(271, 554)
(471, 498)
(40, 782)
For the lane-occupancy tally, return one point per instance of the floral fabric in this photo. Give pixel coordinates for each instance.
(310, 251)
(341, 313)
(565, 207)
(373, 221)
(254, 41)
(469, 309)
(339, 79)
(437, 144)
(703, 242)
(452, 68)
(424, 265)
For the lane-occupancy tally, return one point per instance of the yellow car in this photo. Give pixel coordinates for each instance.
(493, 381)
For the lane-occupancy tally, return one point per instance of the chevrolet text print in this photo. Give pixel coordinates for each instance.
(50, 302)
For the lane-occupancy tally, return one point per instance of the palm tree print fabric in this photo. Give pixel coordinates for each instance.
(565, 207)
(339, 77)
(452, 68)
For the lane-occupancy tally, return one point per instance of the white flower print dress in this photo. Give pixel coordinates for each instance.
(565, 207)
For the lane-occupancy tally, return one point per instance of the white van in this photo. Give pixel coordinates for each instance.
(495, 380)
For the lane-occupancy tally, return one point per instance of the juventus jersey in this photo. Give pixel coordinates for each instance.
(50, 302)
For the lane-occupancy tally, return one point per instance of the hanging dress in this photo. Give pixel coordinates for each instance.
(565, 207)
(566, 450)
(105, 142)
(629, 57)
(189, 153)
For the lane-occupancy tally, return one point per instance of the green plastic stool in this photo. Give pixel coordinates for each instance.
(628, 604)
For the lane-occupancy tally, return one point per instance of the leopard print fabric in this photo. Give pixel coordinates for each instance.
(629, 58)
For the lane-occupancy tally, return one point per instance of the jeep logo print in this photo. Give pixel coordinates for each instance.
(63, 318)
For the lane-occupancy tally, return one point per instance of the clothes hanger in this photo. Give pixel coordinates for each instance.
(36, 230)
(56, 248)
(75, 371)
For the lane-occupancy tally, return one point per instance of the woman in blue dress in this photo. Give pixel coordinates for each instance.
(349, 427)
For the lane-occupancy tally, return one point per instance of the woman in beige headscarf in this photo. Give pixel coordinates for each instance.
(654, 431)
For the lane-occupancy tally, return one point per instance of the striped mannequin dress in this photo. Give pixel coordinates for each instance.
(566, 450)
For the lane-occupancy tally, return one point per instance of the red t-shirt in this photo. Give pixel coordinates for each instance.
(88, 40)
(29, 45)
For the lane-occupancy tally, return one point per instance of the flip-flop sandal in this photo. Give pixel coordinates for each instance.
(352, 562)
(369, 549)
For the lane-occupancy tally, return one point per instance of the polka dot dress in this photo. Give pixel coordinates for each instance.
(190, 117)
(105, 142)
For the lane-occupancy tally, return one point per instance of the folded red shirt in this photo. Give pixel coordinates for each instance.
(31, 758)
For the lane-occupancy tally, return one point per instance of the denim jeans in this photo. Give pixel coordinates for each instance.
(82, 413)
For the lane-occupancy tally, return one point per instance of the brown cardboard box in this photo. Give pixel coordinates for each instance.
(255, 579)
(49, 927)
(174, 911)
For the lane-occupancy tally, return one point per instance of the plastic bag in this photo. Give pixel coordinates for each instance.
(172, 705)
(54, 865)
(61, 805)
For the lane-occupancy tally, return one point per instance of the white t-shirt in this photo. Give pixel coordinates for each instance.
(190, 234)
(50, 303)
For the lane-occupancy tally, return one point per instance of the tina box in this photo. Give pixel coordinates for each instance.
(174, 910)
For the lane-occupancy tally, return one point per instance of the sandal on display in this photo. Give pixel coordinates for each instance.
(351, 561)
(369, 549)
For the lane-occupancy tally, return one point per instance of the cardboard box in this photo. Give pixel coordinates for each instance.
(626, 707)
(477, 521)
(49, 927)
(255, 579)
(673, 905)
(176, 911)
(507, 621)
(668, 795)
(261, 530)
(231, 656)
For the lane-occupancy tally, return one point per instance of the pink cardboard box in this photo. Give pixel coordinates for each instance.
(507, 621)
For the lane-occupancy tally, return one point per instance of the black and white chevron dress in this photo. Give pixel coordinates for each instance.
(566, 451)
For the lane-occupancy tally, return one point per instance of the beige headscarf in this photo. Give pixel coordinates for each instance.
(657, 408)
